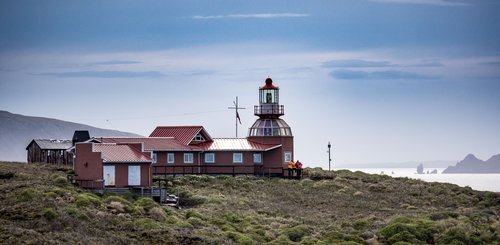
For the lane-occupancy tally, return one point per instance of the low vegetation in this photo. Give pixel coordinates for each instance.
(38, 205)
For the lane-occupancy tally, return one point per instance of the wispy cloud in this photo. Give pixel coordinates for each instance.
(247, 16)
(114, 62)
(104, 74)
(357, 63)
(378, 75)
(426, 2)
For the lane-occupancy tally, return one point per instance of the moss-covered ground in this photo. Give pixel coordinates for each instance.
(39, 206)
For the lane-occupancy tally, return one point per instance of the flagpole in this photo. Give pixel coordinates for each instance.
(237, 116)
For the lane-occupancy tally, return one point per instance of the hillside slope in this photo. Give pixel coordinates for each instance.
(16, 132)
(471, 164)
(39, 206)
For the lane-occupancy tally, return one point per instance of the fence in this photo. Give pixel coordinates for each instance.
(218, 170)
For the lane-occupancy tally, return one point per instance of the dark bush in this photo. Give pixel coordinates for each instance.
(6, 175)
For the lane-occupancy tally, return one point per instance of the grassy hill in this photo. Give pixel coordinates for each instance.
(38, 206)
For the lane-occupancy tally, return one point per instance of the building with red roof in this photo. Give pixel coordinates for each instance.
(118, 165)
(191, 150)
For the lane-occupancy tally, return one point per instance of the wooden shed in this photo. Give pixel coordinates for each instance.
(49, 151)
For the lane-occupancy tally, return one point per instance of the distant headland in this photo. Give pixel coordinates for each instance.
(472, 165)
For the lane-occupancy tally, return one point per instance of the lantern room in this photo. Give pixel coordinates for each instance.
(269, 106)
(269, 110)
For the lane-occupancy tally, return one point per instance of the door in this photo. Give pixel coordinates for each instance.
(134, 175)
(109, 175)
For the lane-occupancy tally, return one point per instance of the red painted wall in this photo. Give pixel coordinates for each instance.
(88, 164)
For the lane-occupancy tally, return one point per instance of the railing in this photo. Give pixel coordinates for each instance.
(217, 170)
(90, 184)
(269, 110)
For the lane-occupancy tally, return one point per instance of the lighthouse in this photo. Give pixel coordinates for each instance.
(269, 128)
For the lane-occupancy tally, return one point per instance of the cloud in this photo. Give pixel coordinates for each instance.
(426, 2)
(247, 16)
(114, 62)
(378, 75)
(104, 74)
(357, 63)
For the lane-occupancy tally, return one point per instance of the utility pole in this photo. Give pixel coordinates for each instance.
(236, 107)
(329, 156)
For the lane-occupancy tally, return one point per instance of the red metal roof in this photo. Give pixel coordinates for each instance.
(235, 144)
(269, 84)
(184, 134)
(152, 143)
(120, 153)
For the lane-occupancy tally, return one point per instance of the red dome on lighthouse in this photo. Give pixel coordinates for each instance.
(269, 84)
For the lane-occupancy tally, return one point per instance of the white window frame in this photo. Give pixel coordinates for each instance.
(288, 156)
(209, 154)
(237, 154)
(188, 160)
(154, 157)
(259, 158)
(170, 157)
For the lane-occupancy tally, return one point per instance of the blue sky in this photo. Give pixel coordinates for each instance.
(383, 80)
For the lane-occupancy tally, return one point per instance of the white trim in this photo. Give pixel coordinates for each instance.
(290, 157)
(168, 157)
(260, 158)
(154, 158)
(210, 154)
(189, 154)
(234, 157)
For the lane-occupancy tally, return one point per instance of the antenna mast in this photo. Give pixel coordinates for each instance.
(236, 107)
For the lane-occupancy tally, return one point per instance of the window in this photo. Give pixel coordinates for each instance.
(257, 158)
(209, 157)
(154, 157)
(288, 156)
(188, 157)
(199, 137)
(237, 157)
(170, 158)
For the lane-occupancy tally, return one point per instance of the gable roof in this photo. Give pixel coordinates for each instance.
(235, 144)
(152, 143)
(184, 134)
(51, 144)
(119, 153)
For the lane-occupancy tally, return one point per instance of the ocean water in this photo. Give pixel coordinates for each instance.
(481, 182)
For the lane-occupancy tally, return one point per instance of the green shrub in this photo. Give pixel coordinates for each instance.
(71, 211)
(60, 181)
(296, 233)
(409, 230)
(403, 236)
(146, 223)
(146, 203)
(87, 199)
(6, 175)
(49, 214)
(157, 214)
(360, 224)
(119, 199)
(82, 216)
(28, 194)
(192, 213)
(238, 238)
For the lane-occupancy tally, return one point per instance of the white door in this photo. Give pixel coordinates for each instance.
(109, 175)
(134, 175)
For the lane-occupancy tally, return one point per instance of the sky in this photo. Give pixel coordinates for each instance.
(382, 80)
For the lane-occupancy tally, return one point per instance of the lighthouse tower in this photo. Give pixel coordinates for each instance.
(270, 128)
